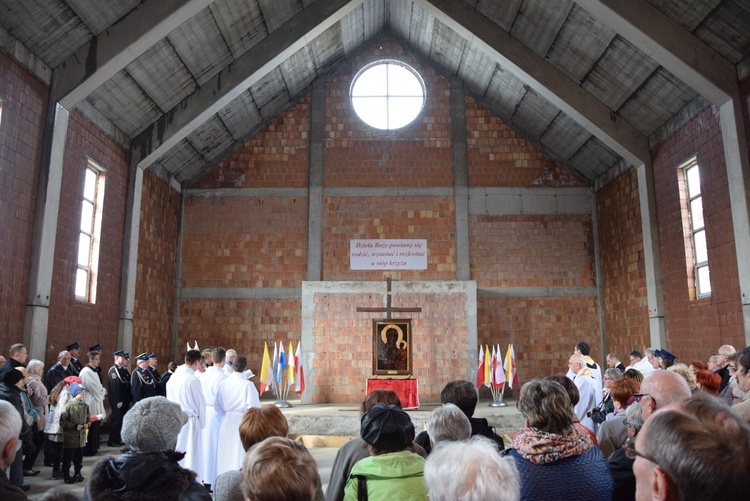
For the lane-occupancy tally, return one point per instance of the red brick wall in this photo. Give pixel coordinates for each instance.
(543, 331)
(358, 155)
(156, 273)
(24, 98)
(695, 328)
(499, 156)
(244, 242)
(532, 251)
(430, 218)
(71, 320)
(241, 324)
(343, 344)
(278, 156)
(623, 275)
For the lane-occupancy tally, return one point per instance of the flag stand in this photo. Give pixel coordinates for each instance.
(497, 397)
(281, 394)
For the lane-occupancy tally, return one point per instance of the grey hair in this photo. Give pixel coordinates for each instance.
(613, 374)
(33, 365)
(633, 415)
(448, 423)
(650, 351)
(10, 423)
(471, 469)
(62, 354)
(702, 446)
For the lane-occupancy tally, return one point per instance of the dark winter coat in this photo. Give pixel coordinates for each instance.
(143, 477)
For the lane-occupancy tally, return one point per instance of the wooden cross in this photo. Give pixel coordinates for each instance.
(389, 309)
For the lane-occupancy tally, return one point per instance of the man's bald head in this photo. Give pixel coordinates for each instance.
(724, 352)
(576, 362)
(663, 388)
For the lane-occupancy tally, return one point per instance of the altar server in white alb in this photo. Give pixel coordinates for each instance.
(211, 381)
(236, 395)
(185, 389)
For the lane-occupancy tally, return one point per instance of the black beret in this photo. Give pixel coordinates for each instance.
(387, 427)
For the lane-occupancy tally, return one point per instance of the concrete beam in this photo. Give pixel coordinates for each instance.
(460, 178)
(119, 45)
(669, 44)
(738, 178)
(235, 79)
(544, 78)
(652, 256)
(45, 231)
(317, 167)
(130, 258)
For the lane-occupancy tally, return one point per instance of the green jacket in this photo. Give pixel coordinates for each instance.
(76, 412)
(398, 476)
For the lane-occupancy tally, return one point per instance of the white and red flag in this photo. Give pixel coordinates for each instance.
(480, 367)
(498, 373)
(299, 377)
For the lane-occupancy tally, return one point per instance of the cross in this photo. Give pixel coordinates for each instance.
(389, 309)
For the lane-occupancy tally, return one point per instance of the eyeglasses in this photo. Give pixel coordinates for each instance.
(732, 367)
(638, 396)
(632, 453)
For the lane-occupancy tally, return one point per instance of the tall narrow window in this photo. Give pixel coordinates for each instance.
(91, 228)
(695, 231)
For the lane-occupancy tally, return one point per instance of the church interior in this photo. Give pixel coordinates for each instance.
(182, 171)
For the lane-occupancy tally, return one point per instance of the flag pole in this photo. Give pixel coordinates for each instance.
(497, 397)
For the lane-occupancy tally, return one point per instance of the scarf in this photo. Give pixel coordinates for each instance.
(541, 447)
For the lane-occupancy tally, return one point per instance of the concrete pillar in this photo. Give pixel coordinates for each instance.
(460, 178)
(176, 350)
(45, 231)
(652, 256)
(599, 282)
(738, 178)
(130, 258)
(315, 196)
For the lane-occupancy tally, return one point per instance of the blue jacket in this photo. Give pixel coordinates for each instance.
(573, 478)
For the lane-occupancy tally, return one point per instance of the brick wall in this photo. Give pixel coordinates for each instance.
(24, 98)
(358, 155)
(156, 273)
(278, 156)
(697, 327)
(71, 320)
(343, 344)
(532, 251)
(241, 324)
(623, 275)
(244, 242)
(543, 330)
(499, 156)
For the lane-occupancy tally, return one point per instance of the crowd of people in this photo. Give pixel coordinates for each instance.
(655, 429)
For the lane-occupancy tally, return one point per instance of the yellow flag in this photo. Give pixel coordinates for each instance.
(290, 366)
(487, 366)
(265, 369)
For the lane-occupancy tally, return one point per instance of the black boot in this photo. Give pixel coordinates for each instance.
(78, 477)
(68, 478)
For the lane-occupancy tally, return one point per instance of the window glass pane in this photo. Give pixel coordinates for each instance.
(87, 216)
(89, 188)
(704, 281)
(696, 213)
(373, 110)
(82, 283)
(84, 249)
(402, 82)
(371, 82)
(701, 254)
(402, 110)
(693, 181)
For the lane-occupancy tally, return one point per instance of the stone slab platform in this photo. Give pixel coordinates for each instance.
(342, 420)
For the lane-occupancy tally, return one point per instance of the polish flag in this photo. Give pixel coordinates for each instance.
(480, 368)
(299, 379)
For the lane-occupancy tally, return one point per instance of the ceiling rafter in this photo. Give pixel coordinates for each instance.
(232, 81)
(544, 78)
(119, 45)
(670, 45)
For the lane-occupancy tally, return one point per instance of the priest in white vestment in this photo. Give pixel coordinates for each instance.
(236, 395)
(587, 390)
(185, 389)
(211, 381)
